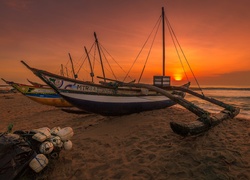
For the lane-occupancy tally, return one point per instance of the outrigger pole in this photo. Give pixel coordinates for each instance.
(205, 120)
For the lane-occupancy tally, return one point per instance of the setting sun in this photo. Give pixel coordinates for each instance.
(178, 77)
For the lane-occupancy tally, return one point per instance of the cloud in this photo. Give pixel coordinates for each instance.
(236, 78)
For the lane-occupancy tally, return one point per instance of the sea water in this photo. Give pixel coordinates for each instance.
(239, 97)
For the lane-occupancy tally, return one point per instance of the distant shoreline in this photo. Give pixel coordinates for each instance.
(221, 88)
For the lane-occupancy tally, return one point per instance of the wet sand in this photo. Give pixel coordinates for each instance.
(136, 146)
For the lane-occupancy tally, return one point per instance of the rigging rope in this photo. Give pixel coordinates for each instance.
(115, 61)
(149, 53)
(84, 60)
(184, 55)
(141, 49)
(155, 28)
(107, 61)
(177, 51)
(110, 70)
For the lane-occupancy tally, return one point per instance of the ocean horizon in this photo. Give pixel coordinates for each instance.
(235, 96)
(247, 88)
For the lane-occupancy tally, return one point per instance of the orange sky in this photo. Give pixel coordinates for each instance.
(214, 35)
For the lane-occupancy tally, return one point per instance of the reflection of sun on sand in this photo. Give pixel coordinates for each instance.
(136, 146)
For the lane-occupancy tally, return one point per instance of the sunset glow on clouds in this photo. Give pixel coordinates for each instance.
(213, 34)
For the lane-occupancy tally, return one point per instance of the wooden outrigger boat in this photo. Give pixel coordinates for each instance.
(102, 98)
(112, 97)
(108, 100)
(37, 84)
(42, 95)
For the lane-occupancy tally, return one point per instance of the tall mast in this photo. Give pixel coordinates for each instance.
(62, 72)
(91, 69)
(67, 71)
(97, 43)
(74, 75)
(163, 41)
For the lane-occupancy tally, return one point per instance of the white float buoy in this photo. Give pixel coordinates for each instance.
(67, 145)
(39, 162)
(65, 133)
(46, 147)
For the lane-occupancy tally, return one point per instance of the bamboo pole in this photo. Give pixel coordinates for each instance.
(205, 119)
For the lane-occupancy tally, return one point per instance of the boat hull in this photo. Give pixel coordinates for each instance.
(54, 100)
(116, 105)
(42, 95)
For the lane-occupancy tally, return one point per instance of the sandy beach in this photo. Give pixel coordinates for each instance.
(136, 146)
